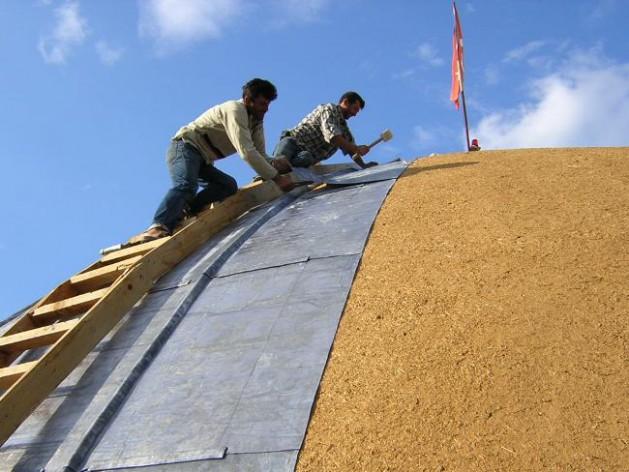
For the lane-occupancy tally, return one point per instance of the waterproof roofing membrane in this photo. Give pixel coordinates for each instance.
(218, 366)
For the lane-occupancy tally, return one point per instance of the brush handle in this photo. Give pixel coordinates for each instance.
(379, 140)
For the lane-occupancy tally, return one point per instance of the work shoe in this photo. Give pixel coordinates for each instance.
(189, 218)
(154, 232)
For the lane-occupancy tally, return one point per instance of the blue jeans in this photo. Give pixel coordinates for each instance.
(188, 170)
(297, 156)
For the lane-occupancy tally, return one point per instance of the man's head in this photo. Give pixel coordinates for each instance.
(351, 103)
(257, 94)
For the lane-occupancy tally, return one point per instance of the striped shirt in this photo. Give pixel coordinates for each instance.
(315, 132)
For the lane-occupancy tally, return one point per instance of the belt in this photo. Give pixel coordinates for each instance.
(214, 149)
(206, 140)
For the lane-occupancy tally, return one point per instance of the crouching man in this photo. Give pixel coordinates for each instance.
(233, 126)
(322, 132)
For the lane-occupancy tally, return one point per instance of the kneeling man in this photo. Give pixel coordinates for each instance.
(321, 133)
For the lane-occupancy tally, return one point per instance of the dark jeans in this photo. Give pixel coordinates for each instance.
(188, 170)
(297, 156)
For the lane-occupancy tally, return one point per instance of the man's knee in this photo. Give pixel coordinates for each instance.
(303, 159)
(231, 186)
(187, 190)
(287, 147)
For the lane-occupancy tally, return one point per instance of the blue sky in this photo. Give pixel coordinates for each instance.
(91, 92)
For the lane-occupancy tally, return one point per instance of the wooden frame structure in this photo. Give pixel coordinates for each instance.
(71, 320)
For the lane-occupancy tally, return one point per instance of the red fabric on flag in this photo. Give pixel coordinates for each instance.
(457, 59)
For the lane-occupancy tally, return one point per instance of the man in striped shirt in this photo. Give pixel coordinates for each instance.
(320, 134)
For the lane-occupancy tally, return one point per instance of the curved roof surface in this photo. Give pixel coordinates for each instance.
(218, 366)
(487, 327)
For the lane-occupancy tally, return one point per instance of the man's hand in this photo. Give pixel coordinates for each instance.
(370, 164)
(282, 165)
(359, 152)
(349, 147)
(362, 150)
(284, 182)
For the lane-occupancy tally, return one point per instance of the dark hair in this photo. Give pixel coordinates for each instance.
(353, 97)
(256, 87)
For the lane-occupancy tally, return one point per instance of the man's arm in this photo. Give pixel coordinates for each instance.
(257, 136)
(332, 132)
(280, 163)
(355, 151)
(238, 132)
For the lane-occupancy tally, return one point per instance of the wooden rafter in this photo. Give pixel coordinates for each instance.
(132, 272)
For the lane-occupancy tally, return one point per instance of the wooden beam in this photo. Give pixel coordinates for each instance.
(9, 375)
(50, 370)
(35, 337)
(62, 292)
(70, 306)
(24, 323)
(103, 276)
(132, 251)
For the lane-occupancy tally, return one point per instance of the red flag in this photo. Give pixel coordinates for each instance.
(457, 59)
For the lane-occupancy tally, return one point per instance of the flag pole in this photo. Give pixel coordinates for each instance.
(457, 76)
(467, 129)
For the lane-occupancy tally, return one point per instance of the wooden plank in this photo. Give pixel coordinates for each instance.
(23, 323)
(132, 251)
(70, 306)
(62, 292)
(24, 396)
(9, 375)
(35, 337)
(103, 276)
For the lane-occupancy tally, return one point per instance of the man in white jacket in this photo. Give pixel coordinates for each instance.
(233, 126)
